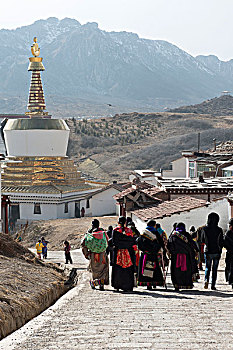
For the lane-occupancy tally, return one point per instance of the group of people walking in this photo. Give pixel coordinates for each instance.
(143, 259)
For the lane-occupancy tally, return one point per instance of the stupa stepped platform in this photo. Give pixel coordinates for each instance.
(29, 171)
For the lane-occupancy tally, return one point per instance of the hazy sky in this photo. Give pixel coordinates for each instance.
(197, 26)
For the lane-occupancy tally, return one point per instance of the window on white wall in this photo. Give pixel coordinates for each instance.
(191, 169)
(37, 209)
(66, 208)
(88, 204)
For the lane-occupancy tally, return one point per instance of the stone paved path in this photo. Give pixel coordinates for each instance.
(160, 319)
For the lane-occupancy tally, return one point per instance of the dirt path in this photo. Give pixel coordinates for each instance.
(84, 319)
(57, 231)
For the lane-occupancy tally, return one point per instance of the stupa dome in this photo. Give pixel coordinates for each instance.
(36, 137)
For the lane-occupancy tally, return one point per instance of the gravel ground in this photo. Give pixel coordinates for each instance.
(57, 231)
(159, 319)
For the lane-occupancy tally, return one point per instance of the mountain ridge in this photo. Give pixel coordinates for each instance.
(85, 62)
(217, 106)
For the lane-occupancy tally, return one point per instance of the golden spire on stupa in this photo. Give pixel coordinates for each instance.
(36, 101)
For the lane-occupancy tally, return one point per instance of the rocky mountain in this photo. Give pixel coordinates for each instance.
(217, 106)
(86, 66)
(222, 68)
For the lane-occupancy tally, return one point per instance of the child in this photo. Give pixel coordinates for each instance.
(67, 252)
(39, 247)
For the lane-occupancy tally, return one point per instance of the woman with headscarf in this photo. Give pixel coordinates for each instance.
(123, 257)
(228, 244)
(150, 243)
(94, 247)
(183, 266)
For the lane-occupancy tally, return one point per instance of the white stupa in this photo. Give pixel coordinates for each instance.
(38, 135)
(43, 182)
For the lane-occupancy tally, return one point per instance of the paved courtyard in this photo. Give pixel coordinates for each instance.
(159, 319)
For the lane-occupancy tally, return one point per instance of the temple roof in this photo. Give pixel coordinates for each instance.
(168, 208)
(49, 189)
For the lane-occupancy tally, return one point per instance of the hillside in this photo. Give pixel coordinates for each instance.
(93, 72)
(217, 106)
(110, 148)
(27, 285)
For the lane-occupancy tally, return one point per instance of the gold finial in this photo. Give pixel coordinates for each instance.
(35, 48)
(35, 61)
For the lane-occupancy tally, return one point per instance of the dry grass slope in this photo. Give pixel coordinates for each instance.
(109, 148)
(27, 286)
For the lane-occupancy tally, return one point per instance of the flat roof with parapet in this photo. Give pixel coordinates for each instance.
(179, 183)
(147, 172)
(228, 168)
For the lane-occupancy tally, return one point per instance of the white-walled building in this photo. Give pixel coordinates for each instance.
(147, 175)
(101, 202)
(191, 211)
(180, 168)
(45, 203)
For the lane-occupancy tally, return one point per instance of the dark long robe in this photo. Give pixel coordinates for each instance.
(177, 245)
(149, 271)
(228, 243)
(122, 278)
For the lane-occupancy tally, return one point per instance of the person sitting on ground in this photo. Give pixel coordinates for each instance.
(212, 236)
(94, 247)
(67, 249)
(183, 266)
(228, 244)
(39, 247)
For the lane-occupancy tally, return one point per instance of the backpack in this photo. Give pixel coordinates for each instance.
(96, 242)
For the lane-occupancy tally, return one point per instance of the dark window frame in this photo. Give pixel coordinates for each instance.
(37, 208)
(66, 208)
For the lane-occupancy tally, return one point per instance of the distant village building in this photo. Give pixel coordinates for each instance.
(42, 183)
(138, 195)
(211, 163)
(198, 183)
(172, 200)
(146, 175)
